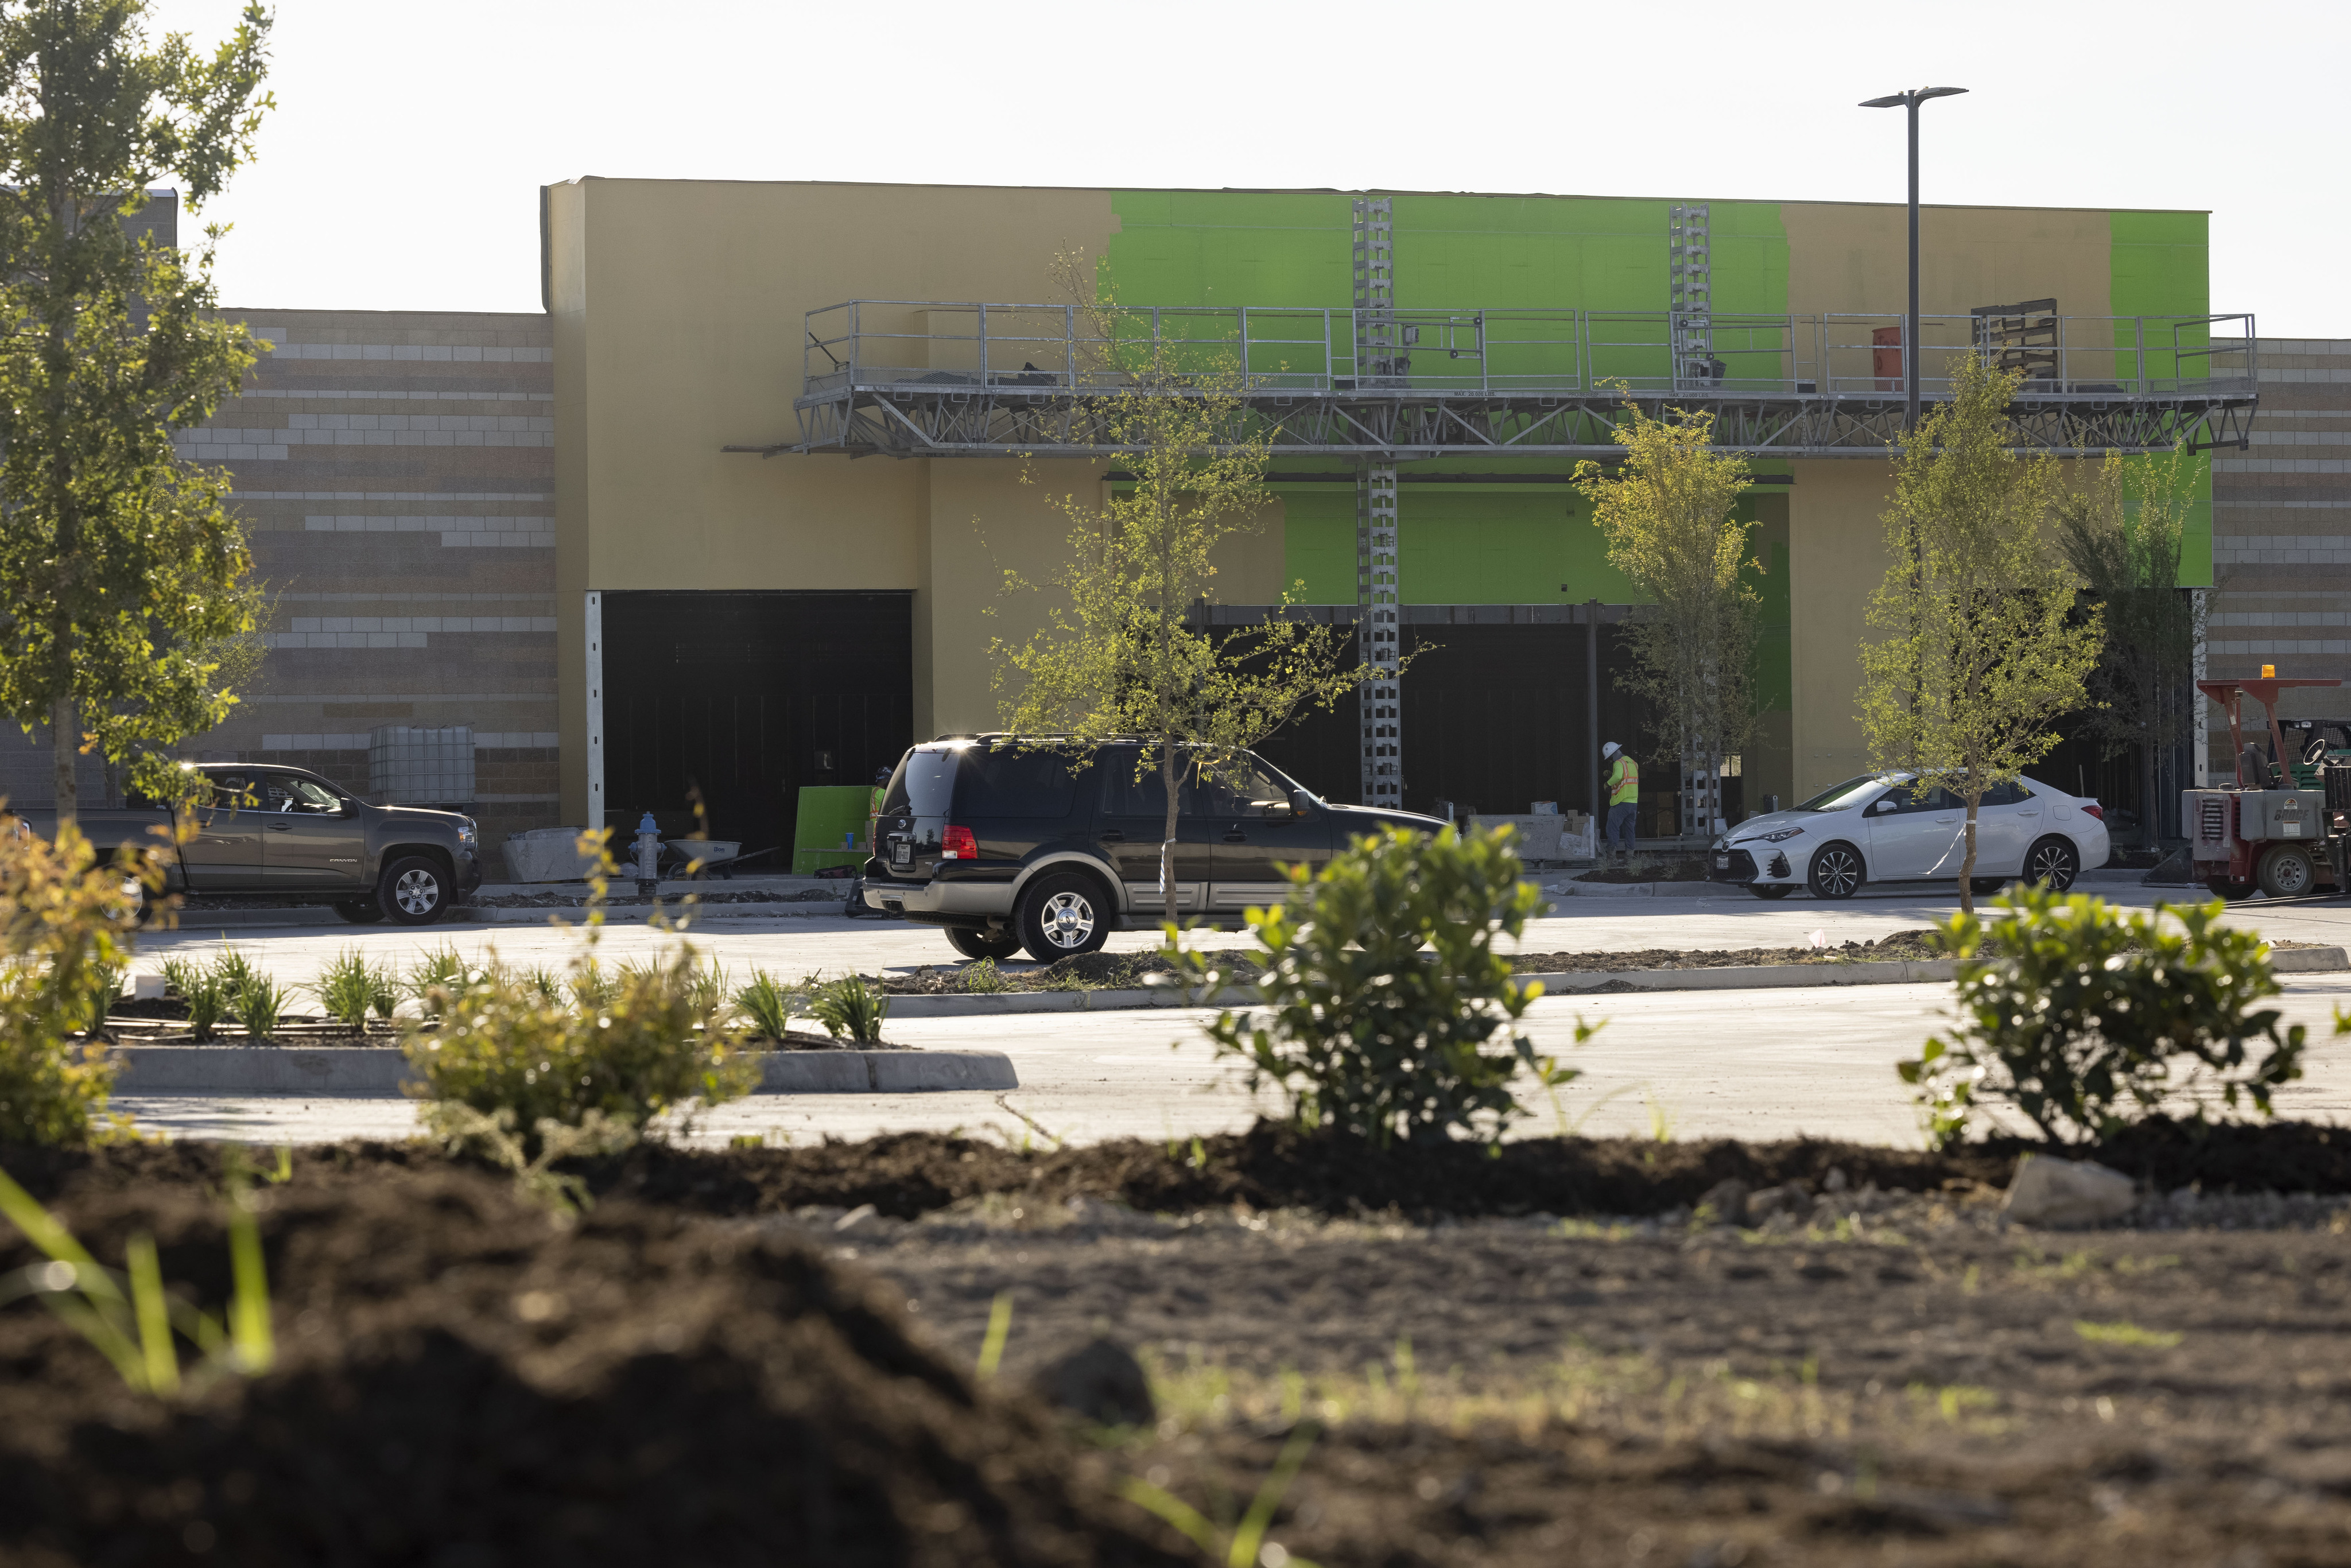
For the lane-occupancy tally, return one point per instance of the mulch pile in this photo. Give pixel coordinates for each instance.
(1924, 943)
(461, 1383)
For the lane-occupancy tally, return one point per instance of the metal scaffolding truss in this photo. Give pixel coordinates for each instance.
(914, 379)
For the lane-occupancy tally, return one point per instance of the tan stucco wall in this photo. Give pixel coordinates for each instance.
(1836, 557)
(679, 312)
(1849, 258)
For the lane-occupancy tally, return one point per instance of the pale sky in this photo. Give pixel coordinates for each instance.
(402, 169)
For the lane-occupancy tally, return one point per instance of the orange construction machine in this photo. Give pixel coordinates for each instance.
(2284, 825)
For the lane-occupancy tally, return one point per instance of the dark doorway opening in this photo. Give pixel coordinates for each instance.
(746, 697)
(1494, 718)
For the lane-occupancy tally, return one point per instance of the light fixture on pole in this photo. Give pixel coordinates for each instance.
(1911, 100)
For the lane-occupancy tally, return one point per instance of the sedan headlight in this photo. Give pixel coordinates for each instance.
(1779, 835)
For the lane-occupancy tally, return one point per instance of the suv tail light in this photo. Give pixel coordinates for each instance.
(2094, 809)
(958, 844)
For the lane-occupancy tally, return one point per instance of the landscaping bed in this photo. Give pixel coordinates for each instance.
(1536, 1360)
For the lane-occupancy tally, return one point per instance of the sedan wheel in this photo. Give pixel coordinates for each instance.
(2054, 861)
(1837, 872)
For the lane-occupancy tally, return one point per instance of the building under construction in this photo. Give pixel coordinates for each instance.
(793, 421)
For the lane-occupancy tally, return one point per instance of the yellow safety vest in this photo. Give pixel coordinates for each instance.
(1623, 781)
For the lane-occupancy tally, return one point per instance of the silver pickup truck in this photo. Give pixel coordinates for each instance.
(280, 835)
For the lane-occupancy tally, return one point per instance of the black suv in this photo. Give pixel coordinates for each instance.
(1013, 843)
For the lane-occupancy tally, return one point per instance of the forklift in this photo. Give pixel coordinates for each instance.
(2284, 827)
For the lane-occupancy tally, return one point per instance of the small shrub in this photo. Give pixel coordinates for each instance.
(1369, 1035)
(444, 969)
(493, 1138)
(850, 1009)
(592, 987)
(207, 998)
(62, 931)
(349, 987)
(502, 1046)
(233, 969)
(982, 977)
(767, 1005)
(709, 989)
(259, 1004)
(178, 976)
(105, 990)
(2085, 1018)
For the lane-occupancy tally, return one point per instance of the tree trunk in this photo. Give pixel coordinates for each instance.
(1967, 864)
(65, 754)
(1168, 842)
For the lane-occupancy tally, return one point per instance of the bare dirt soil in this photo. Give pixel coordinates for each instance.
(1542, 1358)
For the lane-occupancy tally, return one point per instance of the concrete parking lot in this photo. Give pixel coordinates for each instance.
(1758, 1064)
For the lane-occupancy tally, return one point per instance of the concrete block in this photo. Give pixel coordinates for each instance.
(2063, 1194)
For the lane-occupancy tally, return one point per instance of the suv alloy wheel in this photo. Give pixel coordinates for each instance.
(1062, 915)
(414, 891)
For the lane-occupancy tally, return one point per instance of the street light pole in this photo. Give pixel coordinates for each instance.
(1911, 100)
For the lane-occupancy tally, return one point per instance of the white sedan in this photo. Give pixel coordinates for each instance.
(1876, 827)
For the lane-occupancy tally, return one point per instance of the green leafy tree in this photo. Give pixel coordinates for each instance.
(120, 568)
(2121, 533)
(1981, 646)
(1126, 655)
(1667, 515)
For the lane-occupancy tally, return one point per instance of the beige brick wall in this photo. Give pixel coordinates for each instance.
(2281, 531)
(395, 470)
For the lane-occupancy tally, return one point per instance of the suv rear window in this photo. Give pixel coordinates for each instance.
(921, 785)
(1010, 781)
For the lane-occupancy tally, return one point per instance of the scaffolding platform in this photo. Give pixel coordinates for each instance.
(932, 379)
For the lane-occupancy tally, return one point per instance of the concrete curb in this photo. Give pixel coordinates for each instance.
(1643, 890)
(361, 1070)
(1731, 978)
(477, 914)
(1007, 1004)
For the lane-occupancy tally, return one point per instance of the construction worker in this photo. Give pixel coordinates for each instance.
(1624, 797)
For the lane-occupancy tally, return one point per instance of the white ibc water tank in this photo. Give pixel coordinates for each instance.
(409, 765)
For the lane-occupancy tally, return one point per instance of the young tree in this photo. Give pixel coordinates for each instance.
(2121, 534)
(1126, 656)
(1667, 515)
(1981, 646)
(119, 566)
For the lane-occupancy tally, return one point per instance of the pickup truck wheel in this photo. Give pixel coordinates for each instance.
(414, 892)
(1063, 915)
(974, 943)
(360, 911)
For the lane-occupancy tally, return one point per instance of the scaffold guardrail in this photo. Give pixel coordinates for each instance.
(931, 378)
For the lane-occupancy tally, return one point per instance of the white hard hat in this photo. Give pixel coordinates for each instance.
(1611, 749)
